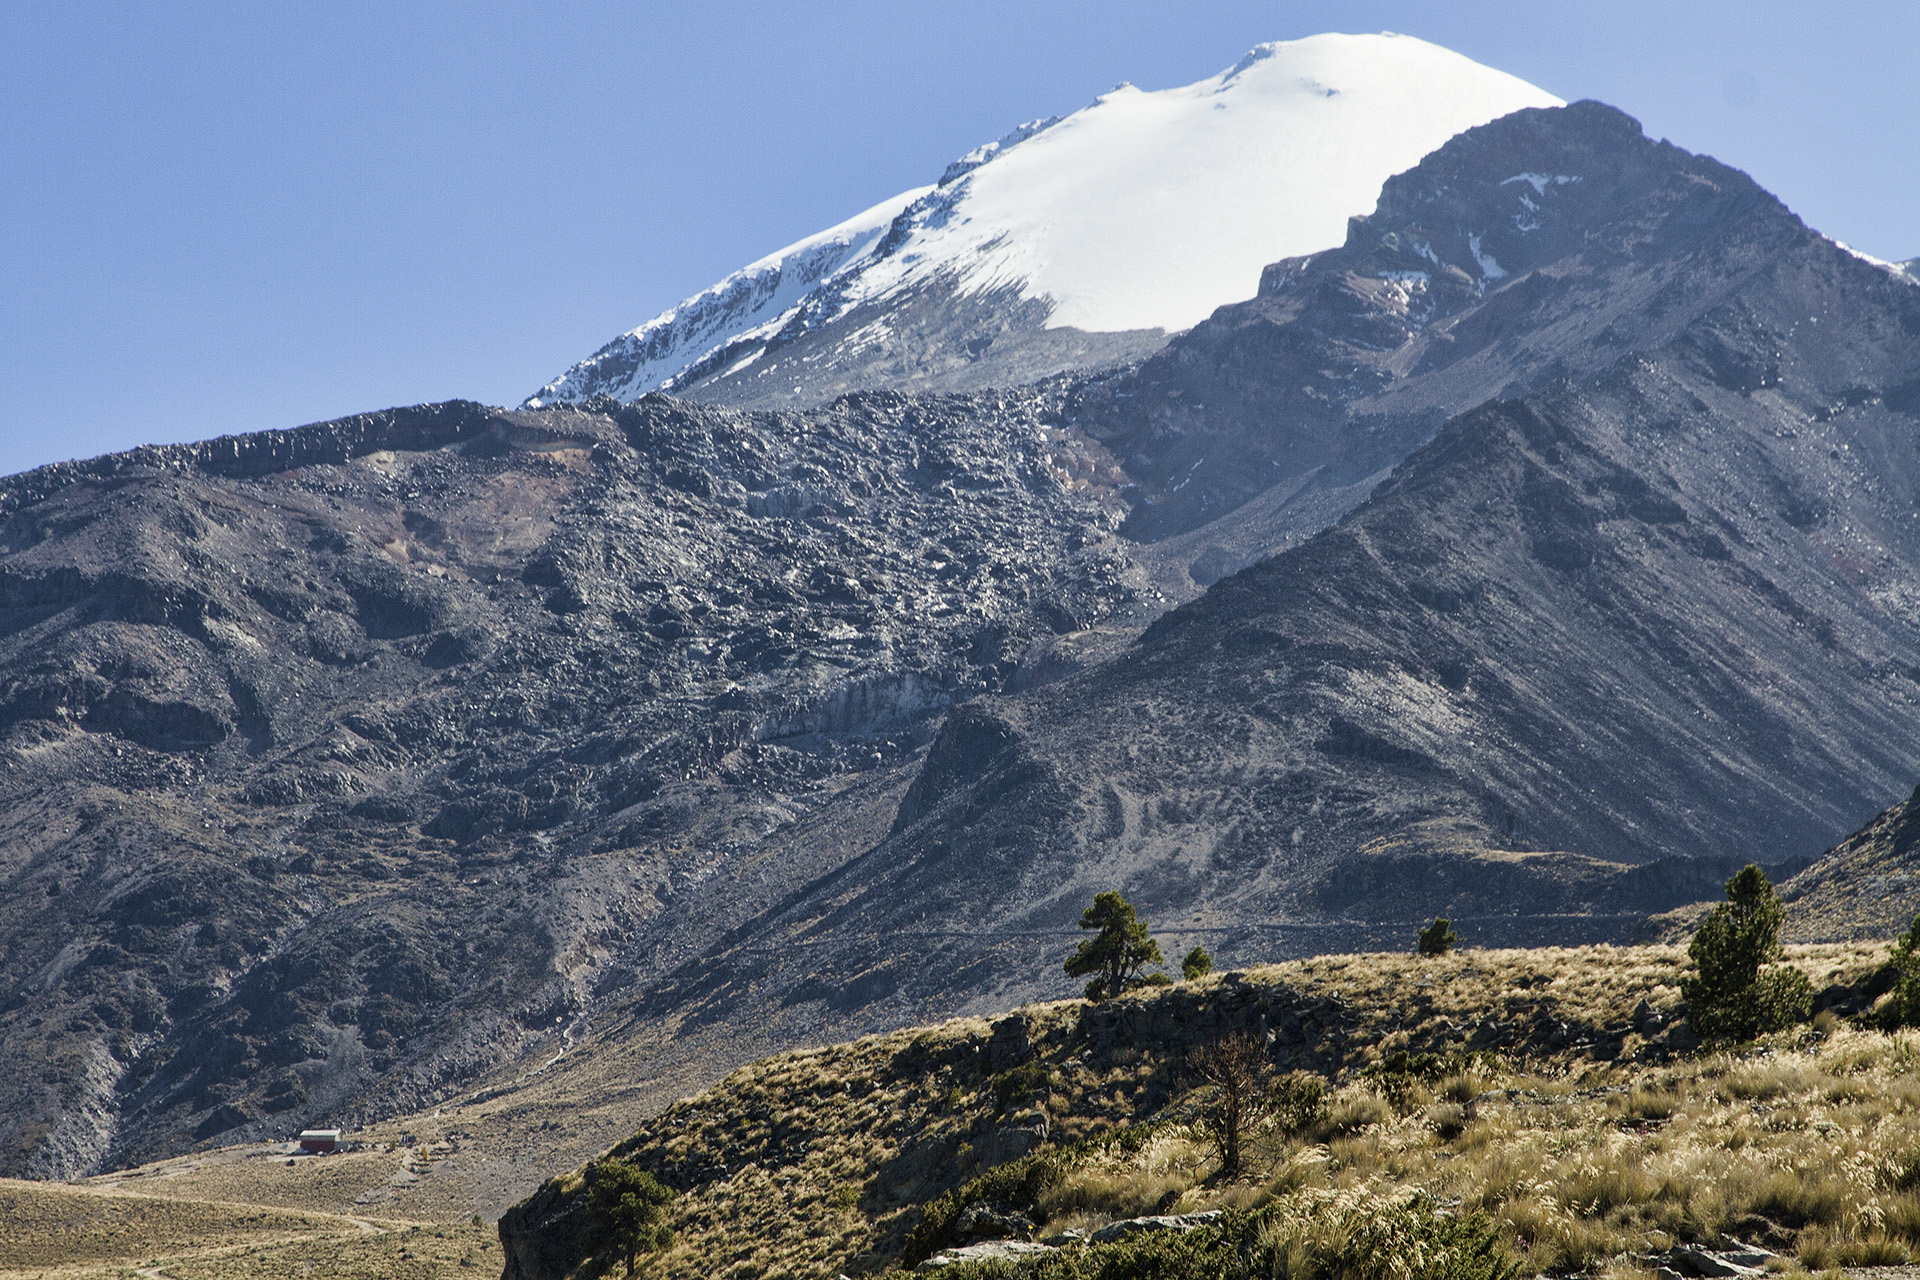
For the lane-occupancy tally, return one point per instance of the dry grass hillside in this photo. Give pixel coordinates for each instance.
(96, 1233)
(1555, 1089)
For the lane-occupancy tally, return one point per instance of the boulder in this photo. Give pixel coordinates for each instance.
(987, 1251)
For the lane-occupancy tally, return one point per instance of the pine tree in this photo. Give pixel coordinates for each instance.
(626, 1212)
(1730, 998)
(1198, 964)
(1437, 938)
(1116, 954)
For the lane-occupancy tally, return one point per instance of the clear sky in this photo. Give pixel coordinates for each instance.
(223, 218)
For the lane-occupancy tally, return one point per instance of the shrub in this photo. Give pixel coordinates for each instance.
(1197, 964)
(1729, 998)
(1437, 938)
(1017, 1184)
(1020, 1185)
(1903, 1007)
(1400, 1074)
(1299, 1101)
(1780, 997)
(1020, 1085)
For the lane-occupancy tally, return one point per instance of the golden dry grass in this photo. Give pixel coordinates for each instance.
(824, 1164)
(89, 1233)
(819, 1162)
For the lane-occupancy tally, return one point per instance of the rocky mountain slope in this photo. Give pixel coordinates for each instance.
(1866, 886)
(342, 759)
(1645, 620)
(349, 768)
(1070, 243)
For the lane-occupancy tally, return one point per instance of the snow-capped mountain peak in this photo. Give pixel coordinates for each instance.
(1070, 241)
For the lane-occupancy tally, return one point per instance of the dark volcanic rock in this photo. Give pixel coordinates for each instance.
(340, 763)
(1659, 605)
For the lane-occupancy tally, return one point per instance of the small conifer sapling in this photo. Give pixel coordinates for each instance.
(1437, 938)
(1197, 964)
(1730, 997)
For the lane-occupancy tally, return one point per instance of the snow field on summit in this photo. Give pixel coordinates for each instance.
(1145, 210)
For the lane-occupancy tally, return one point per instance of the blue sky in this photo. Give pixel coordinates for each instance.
(224, 218)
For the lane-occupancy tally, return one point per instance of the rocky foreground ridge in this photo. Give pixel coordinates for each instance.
(1488, 1080)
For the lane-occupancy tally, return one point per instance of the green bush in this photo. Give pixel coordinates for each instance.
(1335, 1240)
(1299, 1101)
(1016, 1185)
(1437, 938)
(1020, 1085)
(1396, 1075)
(1903, 1007)
(1729, 998)
(1197, 964)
